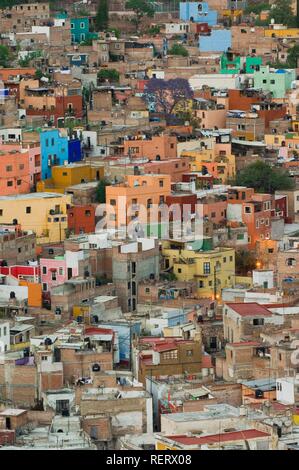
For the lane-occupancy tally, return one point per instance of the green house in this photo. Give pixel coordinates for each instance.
(80, 30)
(231, 63)
(276, 81)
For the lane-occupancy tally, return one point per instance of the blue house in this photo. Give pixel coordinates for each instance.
(198, 12)
(80, 30)
(57, 149)
(126, 331)
(219, 40)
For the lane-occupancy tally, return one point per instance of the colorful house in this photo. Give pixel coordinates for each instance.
(254, 210)
(276, 81)
(136, 198)
(198, 12)
(43, 213)
(70, 174)
(80, 30)
(232, 63)
(219, 40)
(211, 269)
(55, 271)
(57, 149)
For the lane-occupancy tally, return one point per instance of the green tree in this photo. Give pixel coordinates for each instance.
(141, 8)
(178, 49)
(102, 16)
(263, 178)
(282, 13)
(4, 56)
(245, 261)
(111, 75)
(293, 56)
(256, 7)
(101, 191)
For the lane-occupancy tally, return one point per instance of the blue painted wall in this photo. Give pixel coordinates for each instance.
(199, 12)
(123, 330)
(219, 41)
(74, 151)
(56, 150)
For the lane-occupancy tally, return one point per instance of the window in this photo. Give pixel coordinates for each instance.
(61, 271)
(44, 269)
(1, 212)
(258, 321)
(170, 354)
(9, 183)
(21, 167)
(19, 182)
(87, 213)
(112, 202)
(291, 262)
(147, 290)
(82, 25)
(54, 276)
(161, 183)
(44, 358)
(28, 210)
(72, 26)
(224, 260)
(206, 268)
(264, 81)
(247, 210)
(189, 353)
(9, 168)
(201, 284)
(272, 82)
(45, 287)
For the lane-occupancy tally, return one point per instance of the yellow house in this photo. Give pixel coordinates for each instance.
(290, 139)
(221, 165)
(43, 213)
(282, 33)
(211, 269)
(69, 175)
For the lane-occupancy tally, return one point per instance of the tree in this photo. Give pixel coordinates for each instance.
(293, 56)
(245, 261)
(4, 56)
(178, 49)
(263, 178)
(111, 75)
(141, 8)
(102, 16)
(101, 191)
(164, 95)
(282, 13)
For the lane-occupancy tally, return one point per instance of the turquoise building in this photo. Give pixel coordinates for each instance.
(276, 81)
(80, 30)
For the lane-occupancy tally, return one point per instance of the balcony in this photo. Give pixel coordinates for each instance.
(20, 346)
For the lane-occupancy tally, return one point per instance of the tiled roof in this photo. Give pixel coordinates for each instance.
(250, 309)
(217, 438)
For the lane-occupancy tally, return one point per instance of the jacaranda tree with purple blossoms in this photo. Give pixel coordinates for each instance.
(164, 95)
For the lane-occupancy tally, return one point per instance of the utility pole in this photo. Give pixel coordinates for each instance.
(215, 281)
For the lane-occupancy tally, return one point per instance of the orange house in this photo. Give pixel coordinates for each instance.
(136, 198)
(34, 293)
(254, 210)
(14, 171)
(160, 147)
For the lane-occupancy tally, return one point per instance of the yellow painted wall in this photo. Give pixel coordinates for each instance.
(64, 176)
(188, 265)
(39, 220)
(283, 33)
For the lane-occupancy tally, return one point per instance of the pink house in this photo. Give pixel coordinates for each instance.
(55, 271)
